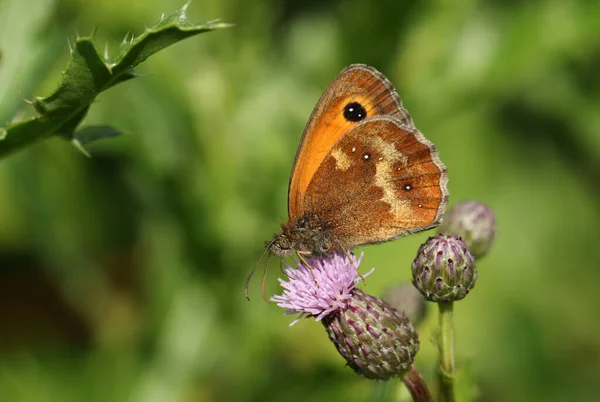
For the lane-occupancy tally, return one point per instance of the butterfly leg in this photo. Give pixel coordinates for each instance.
(347, 253)
(301, 257)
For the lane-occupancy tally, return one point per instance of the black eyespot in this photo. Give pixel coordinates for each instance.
(354, 111)
(407, 187)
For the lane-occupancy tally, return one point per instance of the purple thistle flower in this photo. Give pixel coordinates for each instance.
(322, 292)
(443, 269)
(376, 341)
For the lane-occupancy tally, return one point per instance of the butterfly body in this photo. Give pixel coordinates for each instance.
(307, 235)
(363, 172)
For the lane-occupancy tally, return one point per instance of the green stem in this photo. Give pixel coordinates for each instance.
(446, 347)
(416, 386)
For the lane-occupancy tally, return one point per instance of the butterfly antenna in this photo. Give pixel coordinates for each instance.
(268, 248)
(264, 277)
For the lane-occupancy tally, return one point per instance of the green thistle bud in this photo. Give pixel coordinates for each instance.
(404, 297)
(474, 223)
(377, 341)
(443, 269)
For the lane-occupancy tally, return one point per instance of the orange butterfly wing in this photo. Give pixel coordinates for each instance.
(381, 180)
(356, 84)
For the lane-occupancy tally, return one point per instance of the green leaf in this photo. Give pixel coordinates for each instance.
(85, 77)
(167, 32)
(25, 132)
(88, 74)
(93, 133)
(67, 128)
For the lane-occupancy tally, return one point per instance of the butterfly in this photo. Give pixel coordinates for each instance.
(363, 172)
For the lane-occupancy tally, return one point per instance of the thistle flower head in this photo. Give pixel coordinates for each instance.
(443, 269)
(474, 223)
(377, 341)
(320, 290)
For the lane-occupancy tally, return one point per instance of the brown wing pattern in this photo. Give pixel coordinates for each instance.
(381, 180)
(327, 124)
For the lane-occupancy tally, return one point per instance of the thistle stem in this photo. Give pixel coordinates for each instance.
(446, 348)
(416, 385)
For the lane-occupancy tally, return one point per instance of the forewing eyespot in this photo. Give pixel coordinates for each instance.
(354, 111)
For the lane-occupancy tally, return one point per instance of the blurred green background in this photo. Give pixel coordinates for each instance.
(121, 276)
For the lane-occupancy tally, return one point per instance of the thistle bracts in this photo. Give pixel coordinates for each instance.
(377, 341)
(443, 269)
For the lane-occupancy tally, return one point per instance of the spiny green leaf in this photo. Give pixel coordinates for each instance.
(84, 79)
(68, 126)
(25, 132)
(167, 31)
(88, 74)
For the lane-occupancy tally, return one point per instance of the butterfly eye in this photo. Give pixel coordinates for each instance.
(284, 243)
(354, 111)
